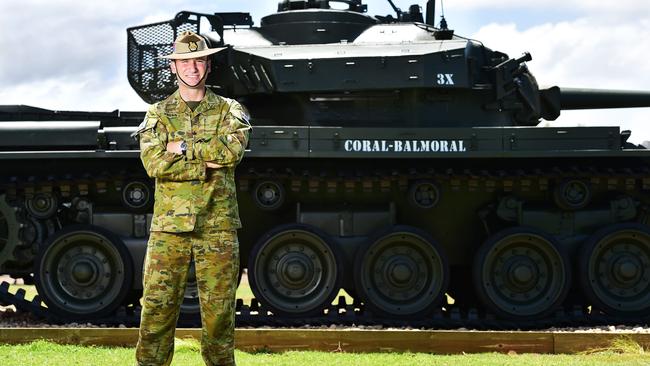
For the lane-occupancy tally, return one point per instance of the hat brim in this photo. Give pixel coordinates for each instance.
(197, 54)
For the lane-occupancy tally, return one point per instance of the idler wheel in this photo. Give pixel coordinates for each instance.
(614, 266)
(83, 272)
(295, 270)
(521, 273)
(401, 273)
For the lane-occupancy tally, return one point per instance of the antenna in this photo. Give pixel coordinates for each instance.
(397, 10)
(443, 21)
(443, 33)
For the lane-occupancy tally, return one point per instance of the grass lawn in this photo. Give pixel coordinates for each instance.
(187, 353)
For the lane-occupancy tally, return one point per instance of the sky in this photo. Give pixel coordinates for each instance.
(71, 54)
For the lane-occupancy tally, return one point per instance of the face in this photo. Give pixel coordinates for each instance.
(191, 71)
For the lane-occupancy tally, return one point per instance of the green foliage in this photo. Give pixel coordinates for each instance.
(622, 345)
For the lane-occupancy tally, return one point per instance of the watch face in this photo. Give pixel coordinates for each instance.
(183, 145)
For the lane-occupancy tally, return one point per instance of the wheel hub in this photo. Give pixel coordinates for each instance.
(575, 193)
(296, 271)
(42, 205)
(521, 278)
(136, 195)
(522, 274)
(400, 273)
(269, 195)
(626, 270)
(424, 194)
(572, 194)
(84, 272)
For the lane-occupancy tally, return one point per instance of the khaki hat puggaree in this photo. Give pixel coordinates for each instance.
(190, 45)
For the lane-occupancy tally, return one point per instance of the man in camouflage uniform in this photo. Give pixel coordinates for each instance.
(190, 143)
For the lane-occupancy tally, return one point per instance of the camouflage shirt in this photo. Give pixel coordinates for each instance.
(189, 196)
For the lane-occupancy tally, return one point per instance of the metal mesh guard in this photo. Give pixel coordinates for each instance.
(149, 75)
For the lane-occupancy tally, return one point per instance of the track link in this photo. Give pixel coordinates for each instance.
(341, 314)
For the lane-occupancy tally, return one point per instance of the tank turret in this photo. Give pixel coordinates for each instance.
(327, 67)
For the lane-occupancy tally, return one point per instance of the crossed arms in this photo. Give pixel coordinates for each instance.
(164, 159)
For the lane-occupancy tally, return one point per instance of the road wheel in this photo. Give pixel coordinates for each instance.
(401, 273)
(83, 272)
(521, 273)
(295, 270)
(615, 269)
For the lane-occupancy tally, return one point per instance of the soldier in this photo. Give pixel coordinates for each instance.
(190, 143)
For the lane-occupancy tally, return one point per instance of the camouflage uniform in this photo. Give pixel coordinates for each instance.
(195, 216)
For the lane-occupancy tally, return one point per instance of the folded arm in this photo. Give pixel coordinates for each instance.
(227, 147)
(158, 161)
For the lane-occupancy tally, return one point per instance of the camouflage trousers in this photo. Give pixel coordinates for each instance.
(216, 258)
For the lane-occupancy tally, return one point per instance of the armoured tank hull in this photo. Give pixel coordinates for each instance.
(388, 158)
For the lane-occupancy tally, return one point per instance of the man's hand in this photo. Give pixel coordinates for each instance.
(211, 165)
(175, 147)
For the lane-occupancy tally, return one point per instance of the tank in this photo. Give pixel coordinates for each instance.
(389, 158)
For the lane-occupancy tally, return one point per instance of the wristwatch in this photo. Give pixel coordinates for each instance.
(183, 147)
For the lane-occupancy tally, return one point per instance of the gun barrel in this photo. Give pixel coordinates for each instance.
(578, 98)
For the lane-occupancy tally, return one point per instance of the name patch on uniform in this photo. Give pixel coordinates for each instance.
(406, 146)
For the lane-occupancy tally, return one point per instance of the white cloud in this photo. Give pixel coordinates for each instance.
(591, 6)
(70, 54)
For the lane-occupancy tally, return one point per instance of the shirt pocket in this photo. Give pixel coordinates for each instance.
(177, 136)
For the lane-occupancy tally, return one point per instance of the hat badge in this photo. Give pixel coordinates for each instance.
(193, 46)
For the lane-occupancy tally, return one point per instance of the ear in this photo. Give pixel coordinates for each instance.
(209, 66)
(172, 65)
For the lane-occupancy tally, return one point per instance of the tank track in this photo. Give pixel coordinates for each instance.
(384, 180)
(340, 314)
